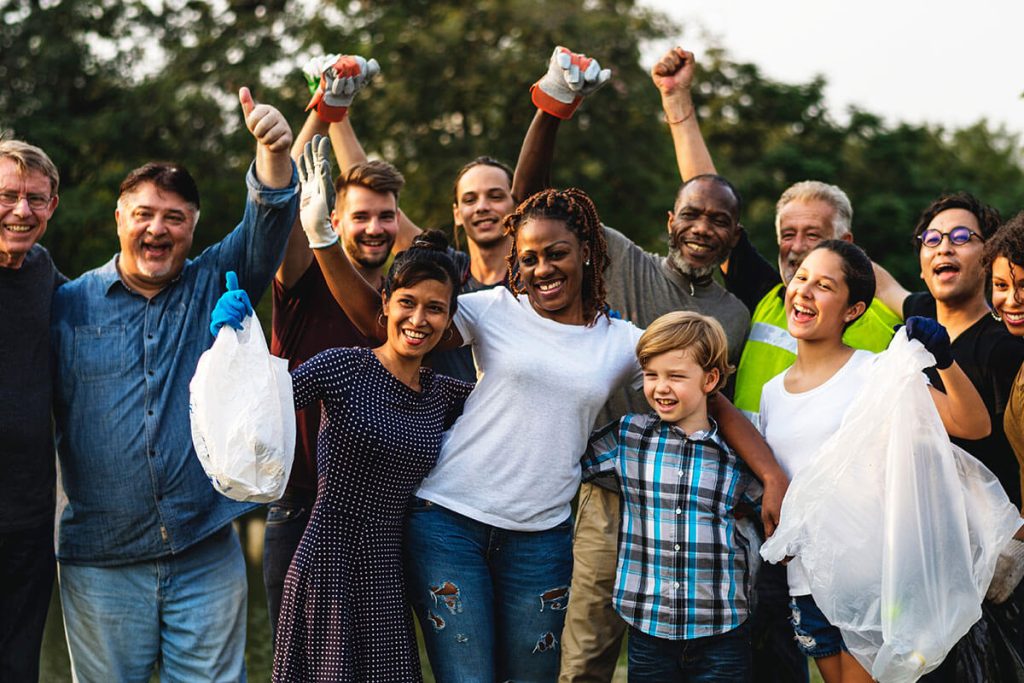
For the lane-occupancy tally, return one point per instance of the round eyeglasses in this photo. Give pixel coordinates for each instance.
(957, 236)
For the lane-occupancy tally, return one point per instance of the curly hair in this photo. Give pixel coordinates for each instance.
(987, 217)
(1008, 242)
(576, 209)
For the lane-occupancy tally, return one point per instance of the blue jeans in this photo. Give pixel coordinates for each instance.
(286, 522)
(185, 612)
(27, 568)
(724, 657)
(491, 602)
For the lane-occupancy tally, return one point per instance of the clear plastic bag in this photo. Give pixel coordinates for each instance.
(898, 530)
(243, 415)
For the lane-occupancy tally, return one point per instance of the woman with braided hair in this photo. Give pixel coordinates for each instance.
(489, 534)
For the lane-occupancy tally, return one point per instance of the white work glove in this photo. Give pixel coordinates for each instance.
(339, 83)
(1009, 570)
(569, 79)
(317, 194)
(314, 69)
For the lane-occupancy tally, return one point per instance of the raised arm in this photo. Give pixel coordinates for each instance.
(961, 408)
(570, 77)
(673, 76)
(324, 75)
(349, 152)
(273, 138)
(889, 291)
(297, 255)
(360, 301)
(744, 438)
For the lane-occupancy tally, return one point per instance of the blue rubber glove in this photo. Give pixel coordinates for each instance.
(231, 308)
(934, 337)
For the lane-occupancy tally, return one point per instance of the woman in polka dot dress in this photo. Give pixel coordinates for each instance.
(343, 614)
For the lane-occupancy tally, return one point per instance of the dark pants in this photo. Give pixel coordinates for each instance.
(724, 657)
(27, 568)
(776, 658)
(286, 522)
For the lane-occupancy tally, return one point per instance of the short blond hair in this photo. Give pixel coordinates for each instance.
(699, 335)
(30, 158)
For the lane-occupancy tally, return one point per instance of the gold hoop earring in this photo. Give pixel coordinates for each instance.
(381, 320)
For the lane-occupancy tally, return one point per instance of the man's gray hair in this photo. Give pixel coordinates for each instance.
(810, 190)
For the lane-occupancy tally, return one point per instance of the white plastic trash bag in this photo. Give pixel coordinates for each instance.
(243, 415)
(897, 529)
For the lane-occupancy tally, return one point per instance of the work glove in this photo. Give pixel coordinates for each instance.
(314, 69)
(232, 307)
(569, 79)
(316, 194)
(934, 337)
(1009, 570)
(339, 83)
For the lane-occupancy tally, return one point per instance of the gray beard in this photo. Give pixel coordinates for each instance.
(680, 264)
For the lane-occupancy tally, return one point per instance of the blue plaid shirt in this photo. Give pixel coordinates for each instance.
(682, 569)
(135, 488)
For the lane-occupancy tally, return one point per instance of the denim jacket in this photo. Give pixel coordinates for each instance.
(135, 488)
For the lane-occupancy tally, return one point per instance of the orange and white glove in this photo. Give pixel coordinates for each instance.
(570, 78)
(339, 83)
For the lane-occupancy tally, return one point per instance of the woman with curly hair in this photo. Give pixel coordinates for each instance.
(489, 534)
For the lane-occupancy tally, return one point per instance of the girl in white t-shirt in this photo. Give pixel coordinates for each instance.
(804, 405)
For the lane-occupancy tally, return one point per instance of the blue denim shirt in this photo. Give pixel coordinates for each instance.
(135, 488)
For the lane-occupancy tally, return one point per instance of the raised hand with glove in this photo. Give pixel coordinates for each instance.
(316, 193)
(232, 307)
(570, 77)
(934, 337)
(339, 81)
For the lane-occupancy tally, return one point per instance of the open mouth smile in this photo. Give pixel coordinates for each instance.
(19, 228)
(803, 314)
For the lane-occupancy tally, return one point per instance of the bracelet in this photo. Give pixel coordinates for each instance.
(687, 116)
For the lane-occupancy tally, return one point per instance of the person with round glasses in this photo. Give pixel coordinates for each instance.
(951, 237)
(961, 234)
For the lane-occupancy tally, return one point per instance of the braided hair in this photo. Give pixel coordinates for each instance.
(426, 259)
(577, 211)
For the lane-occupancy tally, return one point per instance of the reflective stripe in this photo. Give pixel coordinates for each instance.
(767, 333)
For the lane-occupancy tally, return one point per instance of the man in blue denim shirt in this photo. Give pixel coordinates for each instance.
(150, 568)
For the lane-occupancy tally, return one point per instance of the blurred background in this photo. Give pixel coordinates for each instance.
(894, 104)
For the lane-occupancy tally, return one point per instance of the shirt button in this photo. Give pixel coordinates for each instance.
(677, 546)
(149, 412)
(679, 511)
(152, 454)
(149, 336)
(680, 473)
(150, 373)
(676, 585)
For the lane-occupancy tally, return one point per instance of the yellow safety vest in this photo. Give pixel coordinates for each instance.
(770, 349)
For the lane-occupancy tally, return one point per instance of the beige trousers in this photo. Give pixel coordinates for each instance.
(592, 637)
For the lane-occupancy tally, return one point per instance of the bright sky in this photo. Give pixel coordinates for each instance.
(939, 61)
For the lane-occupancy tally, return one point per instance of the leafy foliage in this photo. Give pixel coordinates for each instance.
(104, 86)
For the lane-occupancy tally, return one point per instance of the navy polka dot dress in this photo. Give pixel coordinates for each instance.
(343, 613)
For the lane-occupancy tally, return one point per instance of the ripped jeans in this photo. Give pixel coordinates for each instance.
(491, 602)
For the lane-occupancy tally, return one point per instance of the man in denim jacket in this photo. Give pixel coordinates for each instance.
(150, 569)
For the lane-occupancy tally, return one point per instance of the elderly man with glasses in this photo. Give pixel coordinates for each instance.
(28, 198)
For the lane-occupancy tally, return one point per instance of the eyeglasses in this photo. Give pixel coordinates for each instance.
(35, 201)
(957, 236)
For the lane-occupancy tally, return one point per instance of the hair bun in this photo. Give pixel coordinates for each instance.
(431, 239)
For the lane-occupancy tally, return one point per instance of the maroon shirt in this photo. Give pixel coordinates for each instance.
(306, 320)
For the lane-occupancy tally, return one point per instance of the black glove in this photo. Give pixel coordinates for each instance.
(934, 337)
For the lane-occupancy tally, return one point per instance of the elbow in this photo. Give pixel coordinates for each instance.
(977, 427)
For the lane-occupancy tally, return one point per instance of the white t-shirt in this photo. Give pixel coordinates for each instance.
(796, 425)
(512, 460)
